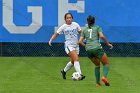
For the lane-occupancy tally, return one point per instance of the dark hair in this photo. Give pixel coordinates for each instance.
(68, 14)
(90, 20)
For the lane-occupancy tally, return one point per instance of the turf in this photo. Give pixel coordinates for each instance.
(42, 75)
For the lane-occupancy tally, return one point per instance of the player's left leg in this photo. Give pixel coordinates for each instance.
(97, 70)
(74, 56)
(68, 66)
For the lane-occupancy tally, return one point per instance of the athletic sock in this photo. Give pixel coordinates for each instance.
(97, 74)
(68, 66)
(105, 70)
(77, 66)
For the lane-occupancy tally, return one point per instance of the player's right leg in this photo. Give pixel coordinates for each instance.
(69, 65)
(104, 60)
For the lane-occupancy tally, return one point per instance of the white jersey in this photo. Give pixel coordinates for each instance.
(70, 32)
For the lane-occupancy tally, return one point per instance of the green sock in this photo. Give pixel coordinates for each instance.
(97, 74)
(105, 70)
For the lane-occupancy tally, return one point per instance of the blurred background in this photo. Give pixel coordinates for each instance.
(27, 25)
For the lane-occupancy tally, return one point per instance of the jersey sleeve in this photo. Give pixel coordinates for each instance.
(78, 27)
(100, 29)
(60, 29)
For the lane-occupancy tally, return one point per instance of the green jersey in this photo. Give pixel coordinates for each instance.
(92, 37)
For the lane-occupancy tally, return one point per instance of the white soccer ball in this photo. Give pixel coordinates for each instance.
(76, 76)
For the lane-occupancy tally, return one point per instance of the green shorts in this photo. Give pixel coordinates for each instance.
(98, 53)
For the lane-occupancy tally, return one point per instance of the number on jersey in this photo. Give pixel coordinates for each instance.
(90, 33)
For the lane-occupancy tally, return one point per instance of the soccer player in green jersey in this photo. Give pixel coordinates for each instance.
(96, 54)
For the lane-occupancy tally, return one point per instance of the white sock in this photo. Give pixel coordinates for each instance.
(77, 66)
(68, 66)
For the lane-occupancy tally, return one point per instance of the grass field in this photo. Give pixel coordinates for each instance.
(42, 75)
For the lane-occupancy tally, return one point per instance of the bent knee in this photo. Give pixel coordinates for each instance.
(76, 59)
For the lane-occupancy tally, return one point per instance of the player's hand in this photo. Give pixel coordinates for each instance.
(110, 45)
(50, 43)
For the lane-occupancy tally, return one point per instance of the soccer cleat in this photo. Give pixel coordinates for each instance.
(105, 81)
(83, 77)
(97, 85)
(63, 74)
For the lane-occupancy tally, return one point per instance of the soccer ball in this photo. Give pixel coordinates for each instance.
(76, 76)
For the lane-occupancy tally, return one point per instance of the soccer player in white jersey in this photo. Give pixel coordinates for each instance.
(70, 30)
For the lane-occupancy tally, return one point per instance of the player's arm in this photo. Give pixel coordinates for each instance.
(52, 38)
(79, 29)
(80, 32)
(56, 34)
(105, 40)
(81, 41)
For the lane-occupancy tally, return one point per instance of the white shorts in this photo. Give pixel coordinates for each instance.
(70, 48)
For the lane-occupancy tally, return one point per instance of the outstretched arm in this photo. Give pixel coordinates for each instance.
(81, 41)
(105, 40)
(53, 37)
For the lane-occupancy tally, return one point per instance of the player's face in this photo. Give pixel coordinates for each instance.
(68, 19)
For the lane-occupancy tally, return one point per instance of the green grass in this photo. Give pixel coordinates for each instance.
(42, 75)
